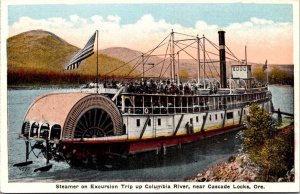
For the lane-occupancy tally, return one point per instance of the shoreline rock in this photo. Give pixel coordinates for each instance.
(237, 169)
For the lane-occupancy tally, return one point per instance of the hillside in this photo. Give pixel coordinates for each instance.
(39, 50)
(42, 51)
(134, 57)
(187, 65)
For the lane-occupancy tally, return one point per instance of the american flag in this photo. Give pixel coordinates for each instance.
(84, 53)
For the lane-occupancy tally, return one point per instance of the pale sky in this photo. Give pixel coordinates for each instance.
(266, 29)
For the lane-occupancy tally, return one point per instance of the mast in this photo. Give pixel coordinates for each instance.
(204, 60)
(143, 66)
(173, 57)
(223, 79)
(178, 79)
(198, 52)
(97, 76)
(246, 54)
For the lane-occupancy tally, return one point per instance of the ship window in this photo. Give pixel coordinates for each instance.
(210, 117)
(138, 123)
(222, 115)
(191, 120)
(197, 119)
(244, 112)
(216, 116)
(159, 122)
(204, 117)
(239, 113)
(229, 115)
(149, 122)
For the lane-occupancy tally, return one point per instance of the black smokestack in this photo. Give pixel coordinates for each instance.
(223, 78)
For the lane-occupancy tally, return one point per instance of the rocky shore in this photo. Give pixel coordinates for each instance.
(237, 169)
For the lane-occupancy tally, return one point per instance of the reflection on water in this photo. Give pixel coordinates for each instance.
(176, 165)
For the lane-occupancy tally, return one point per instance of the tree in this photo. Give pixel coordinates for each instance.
(270, 148)
(259, 74)
(277, 75)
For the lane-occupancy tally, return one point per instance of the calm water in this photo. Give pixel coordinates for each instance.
(177, 165)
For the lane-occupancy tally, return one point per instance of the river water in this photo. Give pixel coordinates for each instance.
(176, 165)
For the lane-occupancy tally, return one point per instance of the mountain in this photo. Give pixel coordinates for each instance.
(153, 64)
(43, 51)
(38, 49)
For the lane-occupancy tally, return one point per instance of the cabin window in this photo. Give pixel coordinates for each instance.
(149, 122)
(210, 117)
(191, 120)
(204, 117)
(221, 115)
(229, 115)
(197, 119)
(138, 122)
(216, 116)
(239, 113)
(159, 122)
(244, 112)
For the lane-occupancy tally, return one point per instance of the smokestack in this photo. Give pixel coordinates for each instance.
(223, 79)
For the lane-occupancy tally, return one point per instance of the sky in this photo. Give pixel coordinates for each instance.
(266, 29)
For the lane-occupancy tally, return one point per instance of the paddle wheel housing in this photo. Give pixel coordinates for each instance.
(63, 118)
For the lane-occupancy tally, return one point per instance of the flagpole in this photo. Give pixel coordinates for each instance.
(267, 76)
(97, 78)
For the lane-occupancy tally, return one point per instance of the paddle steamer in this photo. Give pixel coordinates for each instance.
(143, 115)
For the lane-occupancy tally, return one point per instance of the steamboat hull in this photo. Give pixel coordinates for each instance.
(97, 148)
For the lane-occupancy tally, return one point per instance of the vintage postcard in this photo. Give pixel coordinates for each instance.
(141, 96)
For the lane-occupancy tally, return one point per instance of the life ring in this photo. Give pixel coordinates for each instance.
(146, 111)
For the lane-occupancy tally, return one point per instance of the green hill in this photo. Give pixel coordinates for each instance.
(39, 56)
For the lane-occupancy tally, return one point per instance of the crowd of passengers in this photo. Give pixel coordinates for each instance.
(162, 87)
